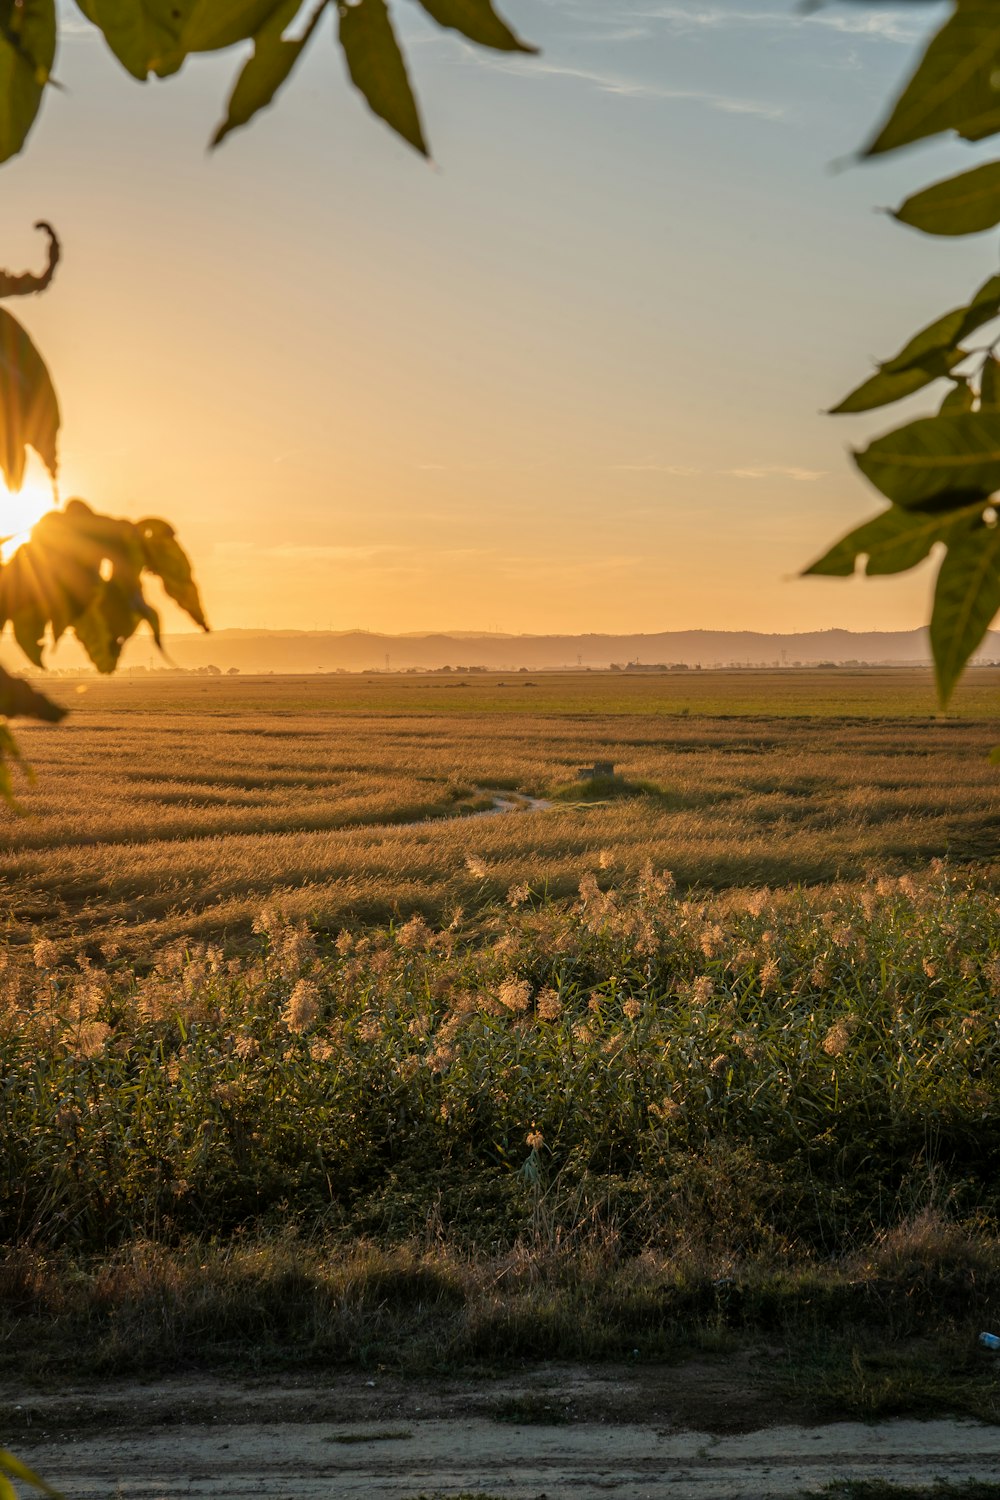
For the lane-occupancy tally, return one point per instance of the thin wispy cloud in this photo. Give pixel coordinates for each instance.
(452, 468)
(636, 88)
(637, 22)
(889, 26)
(546, 570)
(307, 552)
(681, 471)
(792, 472)
(886, 26)
(317, 552)
(777, 471)
(618, 34)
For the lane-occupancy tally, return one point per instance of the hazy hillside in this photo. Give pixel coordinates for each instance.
(324, 651)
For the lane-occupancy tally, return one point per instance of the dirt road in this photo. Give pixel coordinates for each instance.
(555, 1433)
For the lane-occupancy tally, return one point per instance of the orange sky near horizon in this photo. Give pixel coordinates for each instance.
(569, 379)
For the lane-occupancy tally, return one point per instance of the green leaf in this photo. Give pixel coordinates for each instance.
(13, 1466)
(213, 24)
(937, 463)
(27, 51)
(259, 81)
(142, 34)
(989, 387)
(966, 204)
(55, 577)
(886, 386)
(124, 28)
(377, 68)
(477, 20)
(29, 408)
(112, 618)
(49, 581)
(966, 600)
(948, 331)
(82, 570)
(928, 355)
(164, 556)
(155, 36)
(18, 700)
(984, 307)
(116, 606)
(264, 73)
(952, 88)
(961, 397)
(892, 542)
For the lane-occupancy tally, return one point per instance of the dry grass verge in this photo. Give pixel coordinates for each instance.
(883, 1332)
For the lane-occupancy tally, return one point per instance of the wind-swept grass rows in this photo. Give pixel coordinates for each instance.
(174, 811)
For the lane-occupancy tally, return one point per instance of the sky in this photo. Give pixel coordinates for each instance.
(570, 376)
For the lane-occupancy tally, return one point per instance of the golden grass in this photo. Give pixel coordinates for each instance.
(173, 806)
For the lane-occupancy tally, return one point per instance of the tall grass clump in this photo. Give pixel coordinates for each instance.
(791, 1072)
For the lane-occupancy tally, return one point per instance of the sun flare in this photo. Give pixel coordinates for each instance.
(19, 513)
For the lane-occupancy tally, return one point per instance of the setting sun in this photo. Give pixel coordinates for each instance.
(19, 513)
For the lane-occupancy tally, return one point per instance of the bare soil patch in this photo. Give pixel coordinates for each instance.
(692, 1430)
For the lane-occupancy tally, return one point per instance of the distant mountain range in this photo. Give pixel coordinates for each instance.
(289, 651)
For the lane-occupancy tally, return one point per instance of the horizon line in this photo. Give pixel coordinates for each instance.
(537, 635)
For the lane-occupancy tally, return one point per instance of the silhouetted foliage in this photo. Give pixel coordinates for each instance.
(941, 472)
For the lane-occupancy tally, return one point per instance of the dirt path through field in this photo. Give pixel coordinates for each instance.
(503, 802)
(554, 1434)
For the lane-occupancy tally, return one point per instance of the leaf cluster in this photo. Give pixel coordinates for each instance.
(154, 38)
(83, 571)
(940, 473)
(79, 570)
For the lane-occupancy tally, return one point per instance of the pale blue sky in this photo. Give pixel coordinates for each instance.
(568, 377)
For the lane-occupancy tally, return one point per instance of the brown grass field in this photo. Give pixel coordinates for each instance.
(172, 806)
